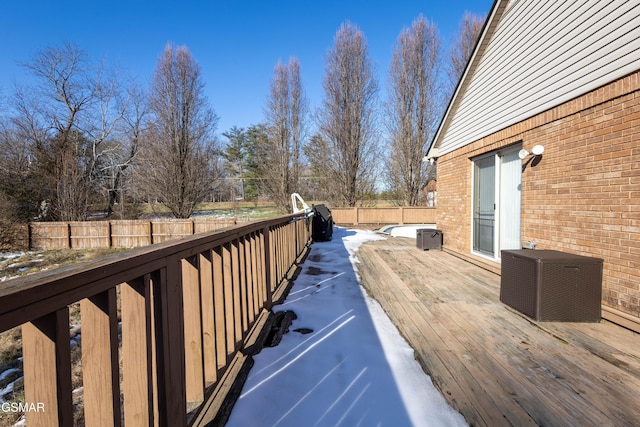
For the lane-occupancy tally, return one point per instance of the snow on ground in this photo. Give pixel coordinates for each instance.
(405, 230)
(353, 369)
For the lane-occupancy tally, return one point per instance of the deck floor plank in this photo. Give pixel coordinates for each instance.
(450, 377)
(494, 365)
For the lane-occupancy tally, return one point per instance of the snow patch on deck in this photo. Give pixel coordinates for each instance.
(404, 230)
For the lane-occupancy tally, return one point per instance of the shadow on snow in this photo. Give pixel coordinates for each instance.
(338, 373)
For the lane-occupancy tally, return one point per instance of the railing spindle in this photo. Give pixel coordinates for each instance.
(218, 302)
(242, 271)
(100, 366)
(250, 272)
(137, 385)
(194, 364)
(237, 294)
(229, 327)
(46, 352)
(208, 318)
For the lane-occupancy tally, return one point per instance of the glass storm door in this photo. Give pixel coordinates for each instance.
(496, 203)
(484, 205)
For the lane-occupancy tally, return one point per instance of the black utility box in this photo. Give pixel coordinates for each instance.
(428, 238)
(322, 223)
(549, 285)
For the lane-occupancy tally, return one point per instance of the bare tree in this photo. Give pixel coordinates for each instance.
(297, 119)
(462, 47)
(177, 165)
(15, 159)
(346, 120)
(68, 118)
(285, 116)
(318, 182)
(16, 190)
(412, 107)
(120, 152)
(52, 117)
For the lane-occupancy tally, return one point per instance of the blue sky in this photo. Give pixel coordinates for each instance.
(237, 43)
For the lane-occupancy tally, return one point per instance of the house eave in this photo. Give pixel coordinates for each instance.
(497, 9)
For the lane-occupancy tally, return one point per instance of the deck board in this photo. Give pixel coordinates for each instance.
(494, 365)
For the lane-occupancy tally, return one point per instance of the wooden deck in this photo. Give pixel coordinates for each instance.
(494, 365)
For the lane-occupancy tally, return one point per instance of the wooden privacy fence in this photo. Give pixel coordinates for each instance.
(390, 215)
(165, 328)
(118, 233)
(136, 233)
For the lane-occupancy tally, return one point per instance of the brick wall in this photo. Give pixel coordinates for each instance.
(583, 196)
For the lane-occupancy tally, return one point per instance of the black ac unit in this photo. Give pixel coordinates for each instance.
(428, 238)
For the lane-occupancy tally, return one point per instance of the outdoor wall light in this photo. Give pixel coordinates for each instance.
(536, 151)
(429, 160)
(431, 156)
(536, 156)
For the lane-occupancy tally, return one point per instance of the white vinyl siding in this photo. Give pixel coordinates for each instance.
(542, 54)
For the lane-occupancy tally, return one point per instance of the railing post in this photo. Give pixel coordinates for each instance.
(267, 256)
(46, 352)
(291, 244)
(69, 237)
(169, 320)
(276, 248)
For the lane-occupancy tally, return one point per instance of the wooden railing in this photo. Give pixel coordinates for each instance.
(162, 327)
